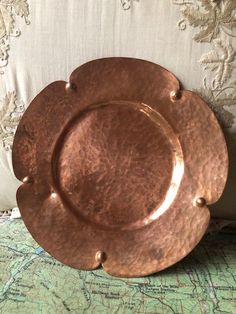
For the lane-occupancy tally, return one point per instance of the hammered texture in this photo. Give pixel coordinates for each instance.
(124, 165)
(140, 160)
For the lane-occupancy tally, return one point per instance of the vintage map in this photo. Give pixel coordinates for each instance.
(33, 282)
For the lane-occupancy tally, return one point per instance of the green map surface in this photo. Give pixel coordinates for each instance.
(31, 281)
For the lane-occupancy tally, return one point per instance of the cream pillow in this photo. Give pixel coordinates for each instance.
(42, 41)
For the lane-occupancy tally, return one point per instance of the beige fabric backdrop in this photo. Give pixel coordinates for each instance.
(42, 41)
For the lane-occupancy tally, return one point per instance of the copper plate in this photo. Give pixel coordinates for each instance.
(118, 166)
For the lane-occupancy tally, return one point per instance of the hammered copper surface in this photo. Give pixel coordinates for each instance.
(117, 167)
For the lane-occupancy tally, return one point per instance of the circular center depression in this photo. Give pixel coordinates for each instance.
(116, 164)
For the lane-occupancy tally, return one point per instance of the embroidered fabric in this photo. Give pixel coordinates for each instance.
(215, 22)
(9, 11)
(11, 111)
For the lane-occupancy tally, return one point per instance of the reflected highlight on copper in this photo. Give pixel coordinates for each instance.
(178, 160)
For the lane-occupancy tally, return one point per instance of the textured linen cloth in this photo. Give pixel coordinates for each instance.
(42, 41)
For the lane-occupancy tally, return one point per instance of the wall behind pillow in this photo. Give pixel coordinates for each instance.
(42, 41)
